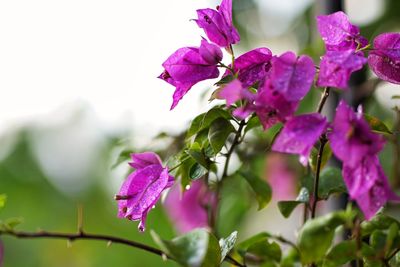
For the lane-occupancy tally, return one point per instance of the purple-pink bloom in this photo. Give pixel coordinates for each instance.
(232, 92)
(338, 33)
(368, 185)
(299, 135)
(253, 66)
(280, 176)
(143, 187)
(218, 25)
(235, 91)
(189, 210)
(351, 137)
(1, 253)
(337, 66)
(190, 65)
(272, 107)
(384, 59)
(292, 76)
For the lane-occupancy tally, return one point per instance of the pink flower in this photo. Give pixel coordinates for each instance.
(143, 187)
(280, 177)
(189, 210)
(354, 143)
(368, 185)
(190, 65)
(217, 24)
(1, 253)
(292, 75)
(337, 66)
(299, 135)
(253, 67)
(384, 60)
(338, 33)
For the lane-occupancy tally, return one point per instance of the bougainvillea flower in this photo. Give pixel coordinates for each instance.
(338, 33)
(292, 76)
(299, 135)
(351, 137)
(337, 66)
(368, 185)
(142, 189)
(1, 253)
(280, 176)
(232, 92)
(235, 91)
(272, 107)
(218, 25)
(189, 210)
(190, 65)
(384, 60)
(253, 66)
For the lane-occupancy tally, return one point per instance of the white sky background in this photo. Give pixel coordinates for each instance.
(104, 53)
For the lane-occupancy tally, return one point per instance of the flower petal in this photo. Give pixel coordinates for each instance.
(299, 135)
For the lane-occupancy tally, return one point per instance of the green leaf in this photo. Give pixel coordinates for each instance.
(377, 240)
(197, 171)
(227, 244)
(225, 80)
(198, 248)
(252, 123)
(265, 251)
(379, 222)
(184, 172)
(219, 131)
(204, 120)
(258, 249)
(198, 155)
(286, 207)
(316, 236)
(291, 258)
(3, 199)
(244, 245)
(377, 125)
(341, 253)
(260, 187)
(11, 223)
(123, 156)
(326, 155)
(330, 182)
(392, 234)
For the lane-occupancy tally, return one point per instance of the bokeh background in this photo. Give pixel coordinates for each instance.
(78, 86)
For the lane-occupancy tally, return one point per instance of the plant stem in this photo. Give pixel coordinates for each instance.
(323, 141)
(323, 99)
(236, 141)
(85, 236)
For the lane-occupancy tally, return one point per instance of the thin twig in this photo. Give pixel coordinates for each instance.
(235, 142)
(80, 218)
(393, 254)
(323, 141)
(323, 99)
(85, 236)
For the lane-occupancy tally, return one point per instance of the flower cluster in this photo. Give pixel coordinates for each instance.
(142, 189)
(190, 65)
(271, 87)
(357, 147)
